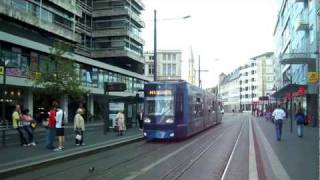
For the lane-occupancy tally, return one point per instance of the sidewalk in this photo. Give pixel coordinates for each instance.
(12, 137)
(15, 158)
(298, 156)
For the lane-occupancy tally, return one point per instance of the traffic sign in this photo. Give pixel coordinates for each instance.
(312, 77)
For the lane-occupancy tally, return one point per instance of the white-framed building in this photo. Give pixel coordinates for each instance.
(168, 64)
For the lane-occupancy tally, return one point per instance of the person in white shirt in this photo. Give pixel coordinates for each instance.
(278, 115)
(60, 128)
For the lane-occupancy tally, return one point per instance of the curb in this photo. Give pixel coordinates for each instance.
(96, 148)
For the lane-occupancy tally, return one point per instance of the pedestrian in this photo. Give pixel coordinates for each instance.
(79, 127)
(140, 119)
(121, 123)
(16, 123)
(60, 119)
(51, 130)
(300, 118)
(268, 115)
(26, 124)
(279, 116)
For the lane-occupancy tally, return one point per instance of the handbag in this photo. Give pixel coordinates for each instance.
(78, 137)
(33, 124)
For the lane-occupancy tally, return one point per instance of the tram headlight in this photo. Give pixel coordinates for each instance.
(147, 120)
(169, 121)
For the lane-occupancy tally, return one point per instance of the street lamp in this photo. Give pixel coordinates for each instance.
(199, 71)
(155, 41)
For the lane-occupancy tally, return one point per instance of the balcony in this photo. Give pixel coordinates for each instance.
(80, 27)
(118, 32)
(119, 12)
(85, 7)
(141, 4)
(116, 52)
(298, 58)
(302, 23)
(68, 5)
(29, 18)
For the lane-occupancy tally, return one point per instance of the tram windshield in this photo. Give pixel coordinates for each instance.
(160, 106)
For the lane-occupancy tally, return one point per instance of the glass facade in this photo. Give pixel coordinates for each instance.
(22, 65)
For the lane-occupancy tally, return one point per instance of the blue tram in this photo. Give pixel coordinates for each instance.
(177, 109)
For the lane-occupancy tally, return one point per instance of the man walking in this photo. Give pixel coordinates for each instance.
(278, 115)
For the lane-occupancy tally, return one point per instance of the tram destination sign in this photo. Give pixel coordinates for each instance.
(113, 86)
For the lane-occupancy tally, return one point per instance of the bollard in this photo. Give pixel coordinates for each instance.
(3, 137)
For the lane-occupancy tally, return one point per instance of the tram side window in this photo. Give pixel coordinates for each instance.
(199, 107)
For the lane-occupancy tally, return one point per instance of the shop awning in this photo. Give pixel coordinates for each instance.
(295, 89)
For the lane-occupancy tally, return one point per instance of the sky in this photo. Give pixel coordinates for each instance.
(224, 33)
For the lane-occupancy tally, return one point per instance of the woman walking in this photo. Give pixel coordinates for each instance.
(79, 127)
(16, 123)
(121, 123)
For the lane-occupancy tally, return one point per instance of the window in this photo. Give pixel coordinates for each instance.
(246, 96)
(169, 70)
(174, 57)
(246, 81)
(150, 69)
(252, 72)
(169, 57)
(246, 88)
(246, 74)
(164, 69)
(164, 56)
(174, 70)
(252, 79)
(151, 57)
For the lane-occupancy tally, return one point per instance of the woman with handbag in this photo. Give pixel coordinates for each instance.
(79, 127)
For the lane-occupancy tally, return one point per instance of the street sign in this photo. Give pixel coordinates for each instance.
(113, 86)
(1, 70)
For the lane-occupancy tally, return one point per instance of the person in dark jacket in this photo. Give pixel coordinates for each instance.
(140, 119)
(300, 117)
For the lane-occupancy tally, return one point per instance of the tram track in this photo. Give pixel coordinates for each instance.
(183, 167)
(231, 153)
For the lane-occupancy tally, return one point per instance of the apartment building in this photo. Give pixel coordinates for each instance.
(107, 45)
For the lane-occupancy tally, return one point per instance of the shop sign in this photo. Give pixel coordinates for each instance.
(14, 72)
(300, 92)
(113, 86)
(1, 70)
(312, 77)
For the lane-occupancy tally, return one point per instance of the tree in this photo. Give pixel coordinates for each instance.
(57, 75)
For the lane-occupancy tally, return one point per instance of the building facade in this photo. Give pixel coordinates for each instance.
(107, 45)
(296, 50)
(265, 80)
(168, 64)
(229, 87)
(248, 85)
